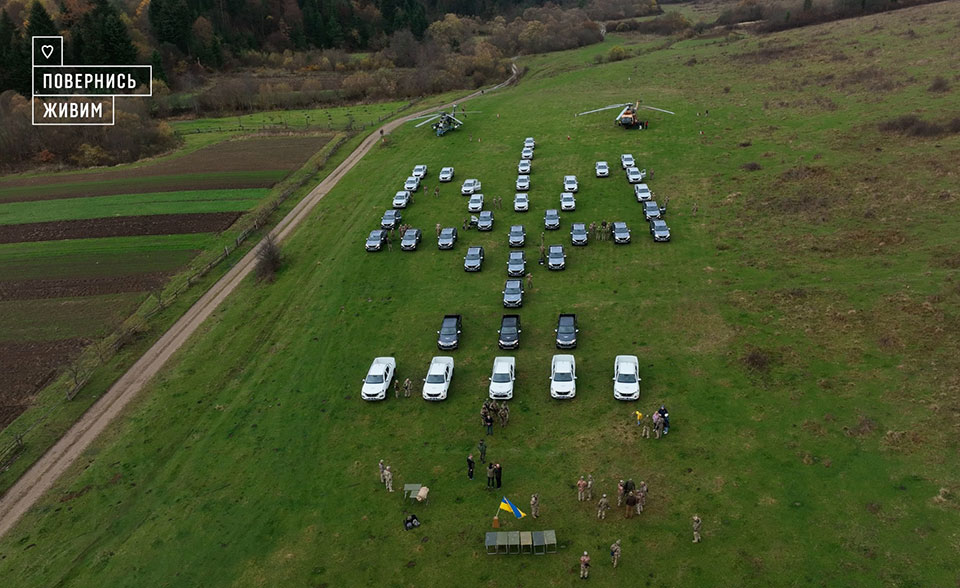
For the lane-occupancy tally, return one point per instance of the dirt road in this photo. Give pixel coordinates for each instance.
(41, 477)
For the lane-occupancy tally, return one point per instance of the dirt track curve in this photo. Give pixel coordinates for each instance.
(43, 474)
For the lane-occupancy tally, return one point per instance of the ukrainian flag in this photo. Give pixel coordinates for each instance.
(510, 507)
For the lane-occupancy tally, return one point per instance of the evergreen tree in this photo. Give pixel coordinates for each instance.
(171, 21)
(157, 62)
(14, 57)
(101, 37)
(41, 25)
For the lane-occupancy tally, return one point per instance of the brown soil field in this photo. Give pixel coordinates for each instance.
(26, 367)
(84, 286)
(120, 226)
(260, 153)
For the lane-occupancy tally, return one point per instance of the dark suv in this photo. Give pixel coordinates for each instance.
(376, 240)
(509, 332)
(473, 260)
(448, 337)
(578, 234)
(567, 331)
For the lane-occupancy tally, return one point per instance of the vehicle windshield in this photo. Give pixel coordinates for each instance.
(508, 330)
(563, 377)
(448, 330)
(627, 378)
(501, 377)
(473, 256)
(512, 287)
(446, 233)
(435, 378)
(565, 329)
(551, 215)
(374, 379)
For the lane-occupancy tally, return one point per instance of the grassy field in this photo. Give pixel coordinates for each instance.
(801, 328)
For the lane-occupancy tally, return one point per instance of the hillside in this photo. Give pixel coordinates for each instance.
(800, 327)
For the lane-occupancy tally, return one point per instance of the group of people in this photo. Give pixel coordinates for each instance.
(407, 387)
(490, 410)
(659, 422)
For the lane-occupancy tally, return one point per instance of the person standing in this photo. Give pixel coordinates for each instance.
(499, 473)
(696, 528)
(504, 415)
(584, 566)
(490, 475)
(602, 507)
(470, 464)
(407, 385)
(535, 505)
(482, 447)
(438, 229)
(641, 497)
(615, 552)
(488, 422)
(529, 281)
(590, 487)
(631, 504)
(639, 416)
(388, 479)
(581, 489)
(383, 468)
(620, 493)
(396, 387)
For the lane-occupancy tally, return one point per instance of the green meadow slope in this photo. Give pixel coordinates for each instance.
(801, 329)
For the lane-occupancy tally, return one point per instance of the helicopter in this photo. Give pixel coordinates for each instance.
(628, 117)
(445, 121)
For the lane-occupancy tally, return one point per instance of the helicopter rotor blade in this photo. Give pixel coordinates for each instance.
(428, 120)
(459, 122)
(612, 106)
(657, 109)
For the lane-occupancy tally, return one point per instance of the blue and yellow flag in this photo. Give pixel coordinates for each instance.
(510, 507)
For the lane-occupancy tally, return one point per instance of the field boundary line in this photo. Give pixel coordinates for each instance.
(43, 474)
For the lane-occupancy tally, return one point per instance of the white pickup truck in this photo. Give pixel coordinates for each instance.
(378, 379)
(501, 380)
(437, 382)
(626, 377)
(563, 376)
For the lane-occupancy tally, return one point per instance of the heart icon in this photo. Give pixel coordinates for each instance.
(47, 51)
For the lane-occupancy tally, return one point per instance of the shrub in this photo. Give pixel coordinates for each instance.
(939, 85)
(617, 53)
(268, 259)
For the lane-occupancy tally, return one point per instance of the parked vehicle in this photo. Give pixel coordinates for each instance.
(621, 233)
(411, 238)
(446, 174)
(651, 210)
(566, 331)
(642, 192)
(634, 175)
(563, 377)
(602, 169)
(523, 183)
(391, 219)
(447, 238)
(448, 337)
(626, 377)
(524, 166)
(659, 230)
(485, 221)
(568, 202)
(517, 236)
(578, 234)
(376, 240)
(412, 184)
(501, 380)
(401, 199)
(378, 379)
(513, 293)
(556, 258)
(476, 203)
(470, 186)
(626, 160)
(551, 219)
(570, 184)
(419, 172)
(439, 374)
(508, 336)
(473, 260)
(521, 203)
(517, 264)
(529, 143)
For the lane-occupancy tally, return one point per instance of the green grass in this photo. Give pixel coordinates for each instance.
(184, 202)
(114, 256)
(151, 183)
(332, 118)
(51, 319)
(252, 461)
